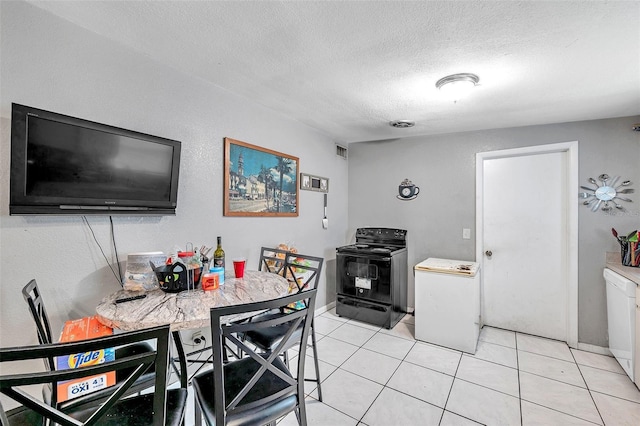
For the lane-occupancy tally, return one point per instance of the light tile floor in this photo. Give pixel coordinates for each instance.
(373, 376)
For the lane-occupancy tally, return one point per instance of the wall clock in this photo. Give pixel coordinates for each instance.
(606, 193)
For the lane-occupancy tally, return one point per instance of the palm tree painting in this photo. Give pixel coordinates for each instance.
(259, 181)
(284, 168)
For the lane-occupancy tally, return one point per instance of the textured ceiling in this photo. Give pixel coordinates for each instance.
(347, 68)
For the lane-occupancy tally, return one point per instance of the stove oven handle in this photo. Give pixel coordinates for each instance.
(384, 259)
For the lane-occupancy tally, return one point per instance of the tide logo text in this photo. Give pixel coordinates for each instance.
(86, 359)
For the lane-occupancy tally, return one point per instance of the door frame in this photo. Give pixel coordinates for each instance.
(571, 209)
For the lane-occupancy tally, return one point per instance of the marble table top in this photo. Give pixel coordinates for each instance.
(159, 308)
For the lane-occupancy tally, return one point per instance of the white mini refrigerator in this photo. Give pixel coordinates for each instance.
(447, 303)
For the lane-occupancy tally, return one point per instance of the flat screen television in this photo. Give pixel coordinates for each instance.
(66, 165)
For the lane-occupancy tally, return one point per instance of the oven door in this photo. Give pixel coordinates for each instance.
(364, 276)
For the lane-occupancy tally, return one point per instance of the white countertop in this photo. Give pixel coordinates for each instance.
(615, 264)
(448, 266)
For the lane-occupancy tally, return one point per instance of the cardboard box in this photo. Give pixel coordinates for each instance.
(83, 329)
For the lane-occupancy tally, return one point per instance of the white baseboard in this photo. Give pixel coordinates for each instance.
(594, 348)
(325, 308)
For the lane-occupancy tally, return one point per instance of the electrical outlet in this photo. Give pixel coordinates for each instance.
(466, 233)
(196, 337)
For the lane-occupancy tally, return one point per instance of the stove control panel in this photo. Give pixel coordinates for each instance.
(381, 236)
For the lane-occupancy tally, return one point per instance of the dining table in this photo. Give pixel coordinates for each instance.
(187, 309)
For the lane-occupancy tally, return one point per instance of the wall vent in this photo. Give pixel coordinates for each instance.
(341, 151)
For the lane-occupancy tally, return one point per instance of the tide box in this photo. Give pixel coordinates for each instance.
(83, 329)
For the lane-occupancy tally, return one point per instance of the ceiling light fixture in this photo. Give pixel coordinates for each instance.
(402, 124)
(456, 85)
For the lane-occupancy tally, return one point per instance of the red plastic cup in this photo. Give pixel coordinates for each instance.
(238, 267)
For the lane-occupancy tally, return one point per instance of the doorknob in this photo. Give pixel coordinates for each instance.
(489, 253)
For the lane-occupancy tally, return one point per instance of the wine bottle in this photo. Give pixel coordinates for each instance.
(218, 255)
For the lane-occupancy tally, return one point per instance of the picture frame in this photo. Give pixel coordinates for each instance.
(314, 183)
(259, 181)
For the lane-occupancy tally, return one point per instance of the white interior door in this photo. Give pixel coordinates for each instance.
(525, 245)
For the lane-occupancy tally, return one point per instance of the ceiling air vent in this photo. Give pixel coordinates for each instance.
(402, 124)
(341, 151)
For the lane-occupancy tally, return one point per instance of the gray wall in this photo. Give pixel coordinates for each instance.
(48, 63)
(443, 166)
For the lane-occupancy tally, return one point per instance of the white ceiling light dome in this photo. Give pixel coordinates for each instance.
(456, 86)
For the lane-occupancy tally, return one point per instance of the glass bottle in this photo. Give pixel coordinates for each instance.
(218, 255)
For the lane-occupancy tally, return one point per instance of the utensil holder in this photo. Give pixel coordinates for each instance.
(630, 254)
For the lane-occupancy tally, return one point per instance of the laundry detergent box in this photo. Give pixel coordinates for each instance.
(83, 329)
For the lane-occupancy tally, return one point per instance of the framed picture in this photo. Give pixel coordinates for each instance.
(259, 181)
(314, 183)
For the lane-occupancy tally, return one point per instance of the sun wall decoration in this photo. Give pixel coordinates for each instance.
(606, 193)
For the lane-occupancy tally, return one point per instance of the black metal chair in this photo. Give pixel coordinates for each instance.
(259, 388)
(303, 272)
(33, 297)
(272, 260)
(161, 408)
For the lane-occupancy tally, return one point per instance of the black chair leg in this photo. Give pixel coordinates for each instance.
(315, 360)
(198, 411)
(297, 411)
(301, 413)
(177, 339)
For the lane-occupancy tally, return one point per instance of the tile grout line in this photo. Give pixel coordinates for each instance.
(383, 386)
(339, 367)
(450, 389)
(558, 381)
(380, 332)
(519, 385)
(587, 387)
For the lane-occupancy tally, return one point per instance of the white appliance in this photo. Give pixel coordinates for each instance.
(447, 303)
(637, 369)
(621, 315)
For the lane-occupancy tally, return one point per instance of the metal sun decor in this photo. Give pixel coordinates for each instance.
(606, 193)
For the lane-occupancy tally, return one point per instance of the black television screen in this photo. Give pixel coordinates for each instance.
(66, 165)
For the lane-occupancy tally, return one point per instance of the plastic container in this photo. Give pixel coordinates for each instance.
(218, 270)
(210, 281)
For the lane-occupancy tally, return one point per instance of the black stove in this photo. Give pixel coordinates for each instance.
(371, 276)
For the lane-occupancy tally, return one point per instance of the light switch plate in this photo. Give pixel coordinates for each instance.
(466, 233)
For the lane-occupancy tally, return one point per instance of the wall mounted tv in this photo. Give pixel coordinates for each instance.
(65, 165)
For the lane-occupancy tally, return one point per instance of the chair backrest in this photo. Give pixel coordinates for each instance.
(229, 400)
(11, 384)
(33, 297)
(298, 268)
(272, 260)
(303, 270)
